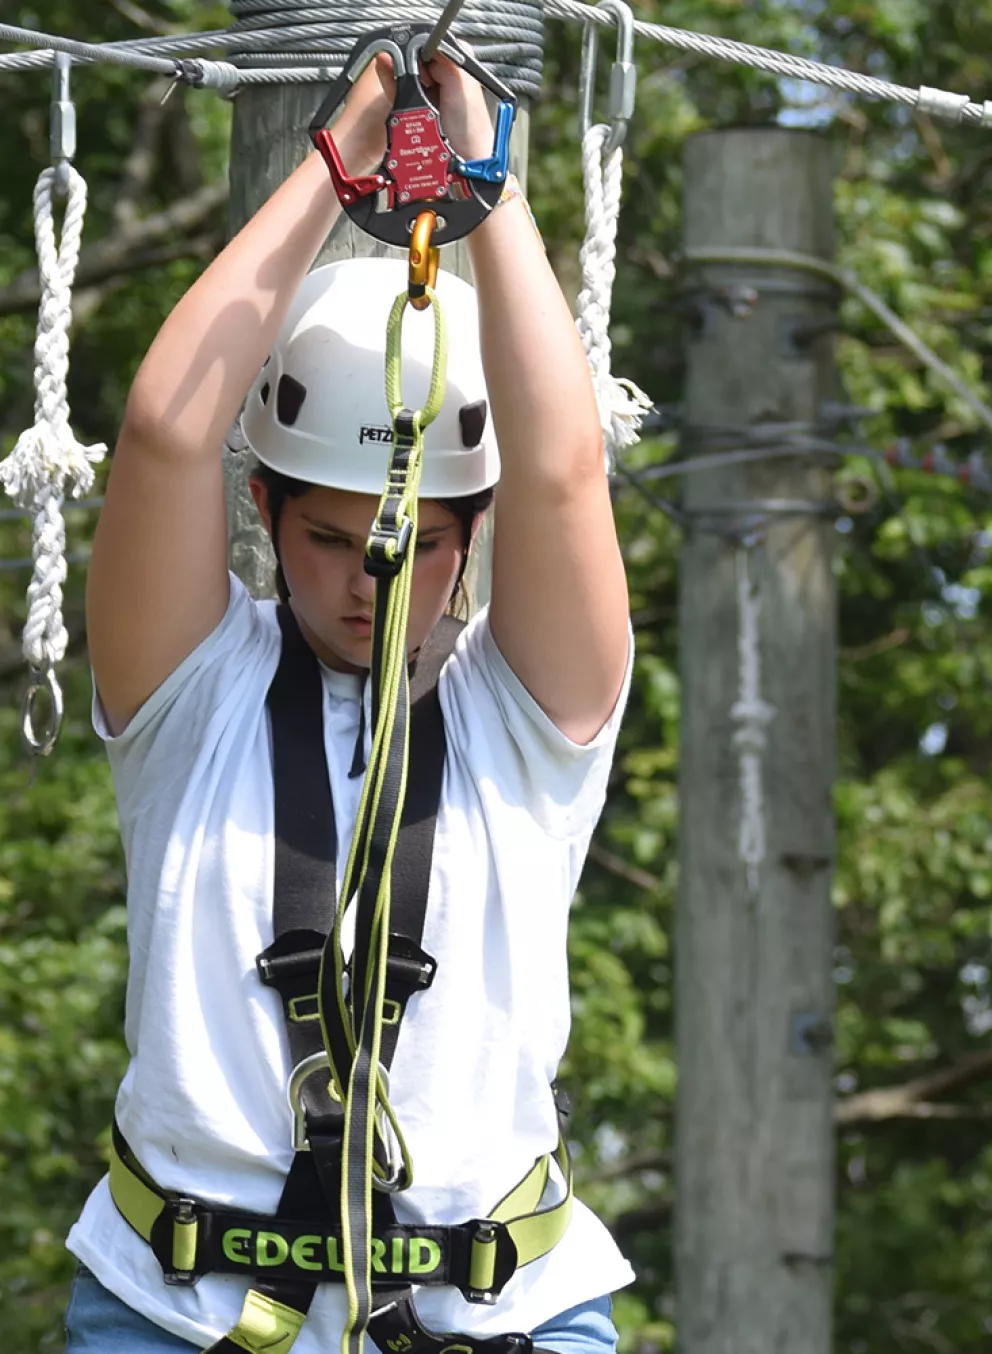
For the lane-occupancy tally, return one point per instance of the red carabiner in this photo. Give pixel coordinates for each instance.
(347, 188)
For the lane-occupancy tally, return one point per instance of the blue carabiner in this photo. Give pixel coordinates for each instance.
(495, 167)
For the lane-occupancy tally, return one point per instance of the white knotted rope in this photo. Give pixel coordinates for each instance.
(622, 405)
(752, 715)
(47, 456)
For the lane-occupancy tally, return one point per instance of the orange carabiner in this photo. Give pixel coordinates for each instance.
(423, 260)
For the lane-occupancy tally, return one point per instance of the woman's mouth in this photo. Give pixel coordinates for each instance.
(358, 625)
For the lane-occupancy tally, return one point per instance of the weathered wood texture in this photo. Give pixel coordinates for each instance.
(754, 1149)
(268, 140)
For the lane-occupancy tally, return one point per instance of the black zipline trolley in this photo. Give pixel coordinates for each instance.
(423, 194)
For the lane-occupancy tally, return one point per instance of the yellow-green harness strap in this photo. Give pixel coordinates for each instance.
(181, 1245)
(190, 1236)
(352, 1016)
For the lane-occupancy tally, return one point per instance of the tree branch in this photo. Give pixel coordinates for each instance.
(89, 299)
(142, 19)
(117, 253)
(908, 1100)
(623, 869)
(650, 1215)
(856, 653)
(632, 1165)
(960, 1113)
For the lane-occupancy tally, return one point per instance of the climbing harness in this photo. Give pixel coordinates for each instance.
(47, 455)
(622, 405)
(291, 1253)
(423, 194)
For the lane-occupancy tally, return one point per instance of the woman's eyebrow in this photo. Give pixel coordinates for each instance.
(425, 534)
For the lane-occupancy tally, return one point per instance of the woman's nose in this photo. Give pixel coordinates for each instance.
(362, 584)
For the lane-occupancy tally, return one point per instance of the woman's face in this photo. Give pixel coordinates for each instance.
(322, 537)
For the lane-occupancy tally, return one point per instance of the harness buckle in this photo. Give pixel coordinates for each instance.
(409, 968)
(482, 1266)
(180, 1241)
(386, 549)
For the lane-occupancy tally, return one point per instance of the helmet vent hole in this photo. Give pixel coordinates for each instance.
(289, 400)
(472, 418)
(264, 393)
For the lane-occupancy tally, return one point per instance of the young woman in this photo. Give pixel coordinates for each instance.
(531, 700)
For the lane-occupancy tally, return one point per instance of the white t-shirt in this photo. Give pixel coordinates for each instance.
(203, 1103)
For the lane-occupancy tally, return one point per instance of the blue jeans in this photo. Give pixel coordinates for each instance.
(98, 1323)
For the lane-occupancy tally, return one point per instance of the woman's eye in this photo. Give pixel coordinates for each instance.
(320, 539)
(425, 547)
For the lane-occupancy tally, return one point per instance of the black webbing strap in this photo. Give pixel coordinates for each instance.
(375, 1042)
(304, 890)
(396, 1329)
(304, 900)
(304, 885)
(410, 969)
(305, 835)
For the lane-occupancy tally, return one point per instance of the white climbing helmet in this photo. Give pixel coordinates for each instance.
(317, 410)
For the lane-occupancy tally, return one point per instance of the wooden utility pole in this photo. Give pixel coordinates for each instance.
(268, 140)
(753, 947)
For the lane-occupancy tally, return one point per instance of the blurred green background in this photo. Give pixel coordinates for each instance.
(914, 877)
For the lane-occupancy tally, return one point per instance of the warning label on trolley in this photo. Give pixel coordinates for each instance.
(418, 159)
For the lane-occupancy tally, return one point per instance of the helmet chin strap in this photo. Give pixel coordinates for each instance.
(461, 571)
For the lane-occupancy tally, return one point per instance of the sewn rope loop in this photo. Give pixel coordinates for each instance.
(752, 715)
(622, 405)
(352, 1021)
(47, 455)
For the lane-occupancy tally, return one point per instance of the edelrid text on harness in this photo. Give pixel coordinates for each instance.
(335, 1221)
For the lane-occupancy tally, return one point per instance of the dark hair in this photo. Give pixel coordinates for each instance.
(281, 487)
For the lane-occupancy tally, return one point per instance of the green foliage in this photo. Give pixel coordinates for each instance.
(913, 880)
(62, 970)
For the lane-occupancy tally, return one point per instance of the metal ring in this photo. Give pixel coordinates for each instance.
(396, 1181)
(41, 743)
(623, 74)
(856, 494)
(299, 1075)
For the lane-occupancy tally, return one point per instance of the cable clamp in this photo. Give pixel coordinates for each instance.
(941, 103)
(63, 123)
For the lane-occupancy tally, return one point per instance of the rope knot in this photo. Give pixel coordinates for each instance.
(622, 405)
(47, 459)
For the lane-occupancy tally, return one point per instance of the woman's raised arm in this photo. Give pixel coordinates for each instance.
(559, 608)
(158, 581)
